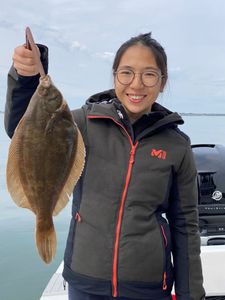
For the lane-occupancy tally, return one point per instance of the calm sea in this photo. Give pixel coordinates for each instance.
(23, 276)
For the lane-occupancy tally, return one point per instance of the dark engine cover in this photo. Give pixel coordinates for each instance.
(210, 163)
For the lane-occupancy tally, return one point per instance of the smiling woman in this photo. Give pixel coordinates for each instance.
(138, 93)
(136, 202)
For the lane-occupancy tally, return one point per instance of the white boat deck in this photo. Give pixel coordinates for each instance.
(213, 263)
(56, 288)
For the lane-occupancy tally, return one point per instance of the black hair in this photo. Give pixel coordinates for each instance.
(147, 41)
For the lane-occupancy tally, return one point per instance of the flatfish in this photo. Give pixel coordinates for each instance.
(45, 160)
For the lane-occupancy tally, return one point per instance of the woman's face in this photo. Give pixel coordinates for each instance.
(137, 98)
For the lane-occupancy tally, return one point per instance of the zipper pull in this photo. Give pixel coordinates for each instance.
(132, 152)
(78, 217)
(164, 281)
(132, 155)
(64, 284)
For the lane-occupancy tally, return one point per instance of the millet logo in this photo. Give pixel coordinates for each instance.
(161, 154)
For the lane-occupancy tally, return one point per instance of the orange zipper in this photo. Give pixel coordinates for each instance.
(166, 243)
(119, 221)
(120, 214)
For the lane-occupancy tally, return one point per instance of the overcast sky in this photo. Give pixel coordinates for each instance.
(84, 35)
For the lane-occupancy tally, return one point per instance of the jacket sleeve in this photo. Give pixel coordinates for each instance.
(183, 219)
(19, 92)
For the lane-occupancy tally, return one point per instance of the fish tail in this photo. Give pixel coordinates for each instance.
(46, 240)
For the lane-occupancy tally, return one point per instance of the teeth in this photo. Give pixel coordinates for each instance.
(136, 97)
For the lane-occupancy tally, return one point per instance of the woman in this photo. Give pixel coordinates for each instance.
(136, 202)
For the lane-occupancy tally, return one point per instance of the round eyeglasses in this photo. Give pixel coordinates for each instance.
(149, 78)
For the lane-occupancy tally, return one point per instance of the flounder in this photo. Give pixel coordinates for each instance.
(45, 160)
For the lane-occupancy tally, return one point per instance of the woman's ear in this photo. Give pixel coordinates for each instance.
(114, 80)
(162, 87)
(163, 83)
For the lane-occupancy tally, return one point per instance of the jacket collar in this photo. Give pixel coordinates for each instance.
(105, 104)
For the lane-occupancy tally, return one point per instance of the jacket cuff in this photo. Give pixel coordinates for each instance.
(44, 56)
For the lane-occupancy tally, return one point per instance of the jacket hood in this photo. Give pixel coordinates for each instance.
(103, 97)
(109, 96)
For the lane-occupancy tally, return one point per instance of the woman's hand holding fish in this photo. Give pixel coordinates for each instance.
(24, 61)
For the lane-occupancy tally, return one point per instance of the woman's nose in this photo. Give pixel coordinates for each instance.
(137, 81)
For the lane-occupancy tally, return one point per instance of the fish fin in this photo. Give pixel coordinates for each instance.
(13, 181)
(46, 241)
(74, 175)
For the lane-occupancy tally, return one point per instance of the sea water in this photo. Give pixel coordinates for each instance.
(23, 275)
